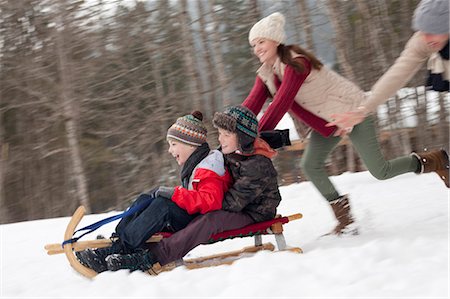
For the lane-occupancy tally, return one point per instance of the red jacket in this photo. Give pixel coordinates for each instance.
(207, 186)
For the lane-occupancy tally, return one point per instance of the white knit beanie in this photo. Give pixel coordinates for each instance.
(270, 27)
(431, 16)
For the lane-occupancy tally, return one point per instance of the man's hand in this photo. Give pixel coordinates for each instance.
(346, 121)
(342, 132)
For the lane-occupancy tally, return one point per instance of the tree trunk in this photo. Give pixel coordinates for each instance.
(3, 167)
(218, 58)
(210, 77)
(394, 40)
(70, 118)
(443, 122)
(306, 24)
(373, 38)
(421, 110)
(393, 114)
(193, 75)
(341, 40)
(404, 135)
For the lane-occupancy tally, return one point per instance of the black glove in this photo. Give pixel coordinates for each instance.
(165, 192)
(276, 138)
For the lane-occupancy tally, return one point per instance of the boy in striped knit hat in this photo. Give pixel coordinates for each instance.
(253, 197)
(204, 180)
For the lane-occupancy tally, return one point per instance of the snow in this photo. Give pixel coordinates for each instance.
(402, 251)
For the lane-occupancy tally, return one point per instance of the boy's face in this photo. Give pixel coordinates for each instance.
(228, 141)
(180, 151)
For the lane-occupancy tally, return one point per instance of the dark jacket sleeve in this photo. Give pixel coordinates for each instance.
(254, 177)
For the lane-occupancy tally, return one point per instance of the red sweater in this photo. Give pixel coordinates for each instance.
(284, 101)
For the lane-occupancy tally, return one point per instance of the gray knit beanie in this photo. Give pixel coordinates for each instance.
(431, 16)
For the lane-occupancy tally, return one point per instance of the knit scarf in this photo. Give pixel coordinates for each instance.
(196, 157)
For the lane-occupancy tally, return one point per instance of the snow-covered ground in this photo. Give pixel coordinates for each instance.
(402, 251)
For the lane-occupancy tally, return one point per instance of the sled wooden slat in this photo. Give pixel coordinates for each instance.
(76, 218)
(56, 248)
(250, 249)
(275, 228)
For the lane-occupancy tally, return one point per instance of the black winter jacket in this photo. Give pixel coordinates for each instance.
(255, 188)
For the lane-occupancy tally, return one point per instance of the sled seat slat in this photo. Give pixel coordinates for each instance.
(270, 227)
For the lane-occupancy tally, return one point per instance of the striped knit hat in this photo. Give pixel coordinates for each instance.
(189, 129)
(240, 120)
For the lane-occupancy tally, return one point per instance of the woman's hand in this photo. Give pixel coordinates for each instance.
(342, 131)
(347, 120)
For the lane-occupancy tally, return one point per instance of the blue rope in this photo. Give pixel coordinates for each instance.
(92, 227)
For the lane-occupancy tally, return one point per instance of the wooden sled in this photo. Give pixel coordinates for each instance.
(271, 227)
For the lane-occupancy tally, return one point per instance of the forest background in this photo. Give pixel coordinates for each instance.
(88, 89)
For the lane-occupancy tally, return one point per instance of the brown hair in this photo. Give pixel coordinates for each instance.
(284, 52)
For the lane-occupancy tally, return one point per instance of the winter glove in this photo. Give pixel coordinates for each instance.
(165, 192)
(276, 138)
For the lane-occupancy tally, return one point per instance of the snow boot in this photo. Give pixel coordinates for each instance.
(95, 258)
(341, 209)
(140, 260)
(434, 161)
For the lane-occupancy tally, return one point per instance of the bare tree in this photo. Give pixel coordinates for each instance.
(341, 39)
(210, 78)
(217, 55)
(306, 24)
(192, 70)
(69, 112)
(373, 30)
(443, 117)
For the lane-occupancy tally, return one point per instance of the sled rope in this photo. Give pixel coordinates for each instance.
(94, 226)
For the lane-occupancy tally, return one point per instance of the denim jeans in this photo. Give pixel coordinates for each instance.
(161, 214)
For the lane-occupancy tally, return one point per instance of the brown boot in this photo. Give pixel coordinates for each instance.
(434, 161)
(341, 209)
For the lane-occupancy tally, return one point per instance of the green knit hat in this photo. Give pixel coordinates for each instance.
(237, 118)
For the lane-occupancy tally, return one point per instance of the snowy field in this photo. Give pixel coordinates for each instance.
(402, 251)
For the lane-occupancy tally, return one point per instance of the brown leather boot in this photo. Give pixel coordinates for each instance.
(341, 209)
(434, 161)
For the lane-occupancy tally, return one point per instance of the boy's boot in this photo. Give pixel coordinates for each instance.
(434, 161)
(341, 209)
(140, 260)
(95, 258)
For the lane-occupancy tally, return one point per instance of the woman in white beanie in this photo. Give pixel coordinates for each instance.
(298, 82)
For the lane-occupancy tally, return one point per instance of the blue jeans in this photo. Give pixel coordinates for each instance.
(161, 214)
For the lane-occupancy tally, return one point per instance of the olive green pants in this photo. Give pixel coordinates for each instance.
(365, 142)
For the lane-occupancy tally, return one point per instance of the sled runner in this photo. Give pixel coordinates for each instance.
(271, 227)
